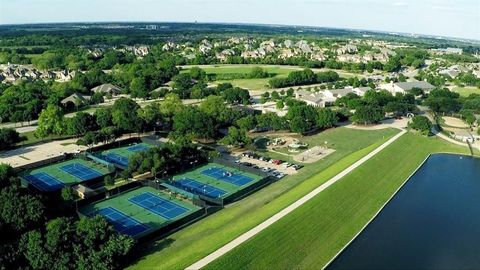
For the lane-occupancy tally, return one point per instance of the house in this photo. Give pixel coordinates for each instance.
(316, 99)
(333, 94)
(404, 87)
(107, 89)
(360, 91)
(75, 99)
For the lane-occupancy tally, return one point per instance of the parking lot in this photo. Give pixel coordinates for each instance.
(276, 168)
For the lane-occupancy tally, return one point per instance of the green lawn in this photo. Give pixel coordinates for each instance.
(257, 84)
(466, 91)
(311, 235)
(30, 138)
(192, 243)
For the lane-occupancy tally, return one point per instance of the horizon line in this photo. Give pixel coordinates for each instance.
(432, 36)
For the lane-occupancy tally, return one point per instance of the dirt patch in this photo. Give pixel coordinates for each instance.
(455, 122)
(313, 154)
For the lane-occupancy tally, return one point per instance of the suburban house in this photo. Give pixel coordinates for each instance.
(316, 99)
(107, 89)
(404, 87)
(328, 97)
(75, 99)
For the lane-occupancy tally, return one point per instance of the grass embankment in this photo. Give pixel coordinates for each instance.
(30, 138)
(183, 248)
(311, 235)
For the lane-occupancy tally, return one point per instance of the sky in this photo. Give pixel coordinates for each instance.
(451, 18)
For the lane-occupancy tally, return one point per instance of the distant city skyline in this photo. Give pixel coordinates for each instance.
(460, 19)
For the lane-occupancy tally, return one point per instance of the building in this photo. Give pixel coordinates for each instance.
(316, 99)
(107, 89)
(404, 87)
(75, 99)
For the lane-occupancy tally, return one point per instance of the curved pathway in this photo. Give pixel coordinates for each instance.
(262, 226)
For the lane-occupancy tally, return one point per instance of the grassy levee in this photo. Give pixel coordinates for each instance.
(309, 237)
(190, 244)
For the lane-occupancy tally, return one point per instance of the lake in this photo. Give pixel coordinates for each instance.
(433, 222)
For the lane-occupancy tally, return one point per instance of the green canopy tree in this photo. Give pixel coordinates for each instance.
(50, 122)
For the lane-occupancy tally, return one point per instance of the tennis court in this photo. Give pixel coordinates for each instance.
(120, 156)
(116, 159)
(138, 148)
(81, 171)
(172, 209)
(227, 176)
(158, 205)
(121, 222)
(44, 181)
(199, 188)
(197, 182)
(55, 176)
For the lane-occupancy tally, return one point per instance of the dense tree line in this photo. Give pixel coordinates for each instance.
(39, 237)
(304, 77)
(167, 159)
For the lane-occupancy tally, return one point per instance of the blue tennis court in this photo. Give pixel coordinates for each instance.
(199, 188)
(81, 171)
(116, 159)
(121, 222)
(138, 148)
(44, 182)
(232, 178)
(158, 205)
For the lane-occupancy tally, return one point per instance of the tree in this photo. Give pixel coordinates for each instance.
(248, 122)
(103, 117)
(50, 122)
(280, 104)
(182, 85)
(124, 115)
(368, 115)
(442, 100)
(326, 118)
(198, 73)
(90, 243)
(192, 121)
(236, 137)
(236, 95)
(80, 124)
(421, 123)
(302, 118)
(8, 138)
(109, 181)
(138, 88)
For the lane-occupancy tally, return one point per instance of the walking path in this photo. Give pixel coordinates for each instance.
(262, 226)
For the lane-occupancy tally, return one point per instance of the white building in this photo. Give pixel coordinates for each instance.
(404, 87)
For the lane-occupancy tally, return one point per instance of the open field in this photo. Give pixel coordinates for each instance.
(261, 83)
(466, 91)
(184, 247)
(310, 236)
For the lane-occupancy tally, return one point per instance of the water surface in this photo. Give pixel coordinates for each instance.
(433, 222)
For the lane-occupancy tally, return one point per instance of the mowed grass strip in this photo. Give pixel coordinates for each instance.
(194, 242)
(309, 237)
